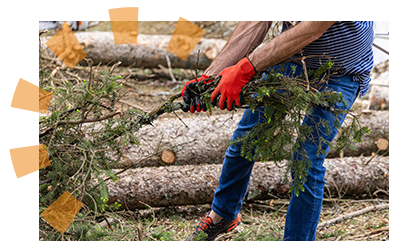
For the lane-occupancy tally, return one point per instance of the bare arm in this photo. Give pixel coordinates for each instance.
(246, 37)
(288, 43)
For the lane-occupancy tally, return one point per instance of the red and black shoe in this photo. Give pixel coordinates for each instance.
(214, 229)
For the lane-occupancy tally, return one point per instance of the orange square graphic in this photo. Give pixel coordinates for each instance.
(25, 160)
(25, 98)
(44, 100)
(124, 24)
(62, 212)
(124, 14)
(184, 38)
(44, 160)
(66, 46)
(124, 32)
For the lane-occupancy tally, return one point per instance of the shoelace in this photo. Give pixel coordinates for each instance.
(212, 229)
(205, 223)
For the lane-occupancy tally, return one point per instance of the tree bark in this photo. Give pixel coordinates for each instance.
(379, 98)
(203, 142)
(149, 52)
(195, 184)
(207, 138)
(378, 124)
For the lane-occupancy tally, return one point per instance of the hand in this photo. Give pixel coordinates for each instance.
(189, 96)
(233, 79)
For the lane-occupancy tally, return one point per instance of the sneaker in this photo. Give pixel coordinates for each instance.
(214, 229)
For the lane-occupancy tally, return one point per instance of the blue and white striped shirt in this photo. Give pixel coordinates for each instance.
(350, 45)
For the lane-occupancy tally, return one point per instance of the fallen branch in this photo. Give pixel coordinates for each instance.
(51, 128)
(351, 215)
(374, 232)
(117, 112)
(46, 181)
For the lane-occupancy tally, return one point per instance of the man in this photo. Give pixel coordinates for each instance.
(349, 44)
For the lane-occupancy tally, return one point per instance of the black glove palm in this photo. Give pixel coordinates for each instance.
(192, 99)
(195, 104)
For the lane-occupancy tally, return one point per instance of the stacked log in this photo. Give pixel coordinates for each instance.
(149, 52)
(195, 184)
(207, 138)
(198, 152)
(379, 98)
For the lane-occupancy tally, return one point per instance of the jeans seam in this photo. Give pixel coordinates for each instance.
(314, 205)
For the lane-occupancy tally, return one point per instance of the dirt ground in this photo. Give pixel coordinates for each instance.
(262, 221)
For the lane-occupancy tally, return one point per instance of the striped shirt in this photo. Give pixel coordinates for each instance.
(350, 46)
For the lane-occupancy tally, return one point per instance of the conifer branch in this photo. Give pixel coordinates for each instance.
(287, 100)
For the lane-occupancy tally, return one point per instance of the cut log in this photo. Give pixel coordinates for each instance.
(204, 142)
(379, 98)
(149, 52)
(207, 138)
(168, 156)
(382, 143)
(195, 184)
(378, 124)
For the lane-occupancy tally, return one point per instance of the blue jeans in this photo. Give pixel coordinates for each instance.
(304, 210)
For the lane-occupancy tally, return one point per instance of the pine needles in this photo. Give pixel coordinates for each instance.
(284, 102)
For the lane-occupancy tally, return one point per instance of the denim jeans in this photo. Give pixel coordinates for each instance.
(304, 210)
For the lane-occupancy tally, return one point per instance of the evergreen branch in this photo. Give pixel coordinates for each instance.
(288, 97)
(286, 100)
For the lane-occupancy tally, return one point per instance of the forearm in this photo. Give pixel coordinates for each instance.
(288, 43)
(245, 38)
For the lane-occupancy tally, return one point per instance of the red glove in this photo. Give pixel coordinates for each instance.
(233, 79)
(188, 99)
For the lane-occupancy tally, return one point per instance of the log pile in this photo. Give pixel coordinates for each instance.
(197, 154)
(182, 165)
(189, 159)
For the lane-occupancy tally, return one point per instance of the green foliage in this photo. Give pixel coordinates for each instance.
(79, 230)
(201, 236)
(350, 134)
(161, 234)
(81, 139)
(286, 101)
(254, 234)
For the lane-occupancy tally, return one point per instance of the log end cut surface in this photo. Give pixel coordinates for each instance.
(168, 156)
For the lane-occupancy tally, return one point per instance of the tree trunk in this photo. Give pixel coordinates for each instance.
(195, 184)
(207, 138)
(203, 142)
(379, 98)
(149, 52)
(378, 124)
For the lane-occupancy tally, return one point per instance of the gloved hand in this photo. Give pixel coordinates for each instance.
(190, 98)
(233, 79)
